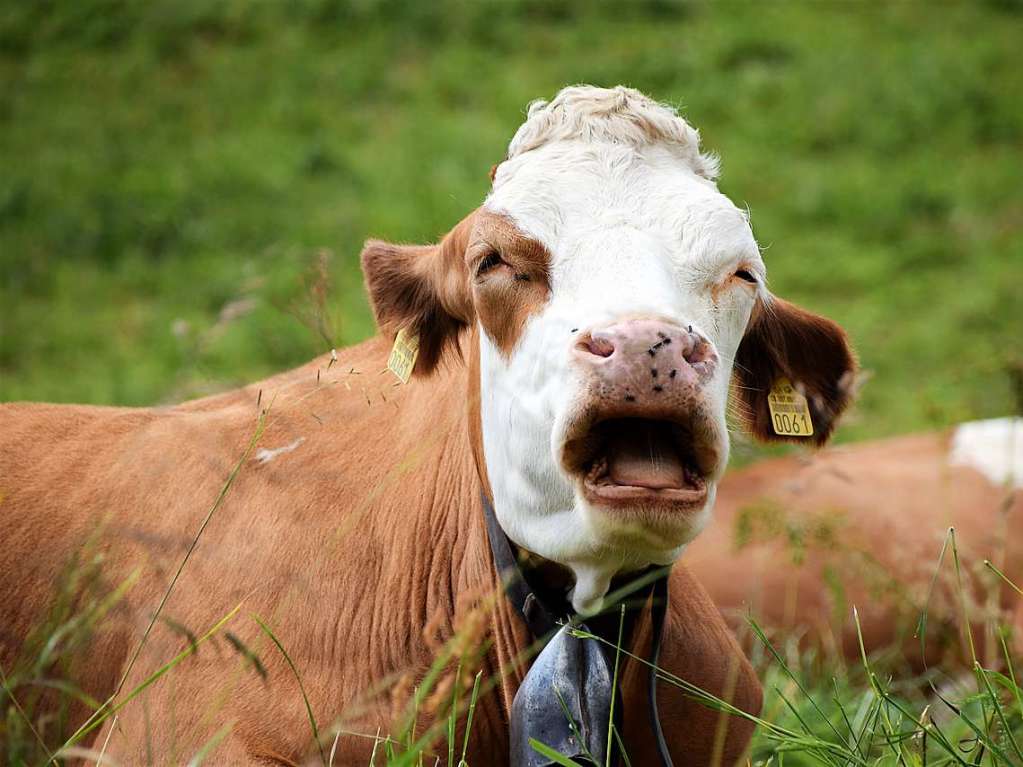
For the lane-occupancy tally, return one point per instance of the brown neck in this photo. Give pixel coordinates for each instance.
(475, 416)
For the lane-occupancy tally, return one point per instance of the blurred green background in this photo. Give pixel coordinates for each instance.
(173, 175)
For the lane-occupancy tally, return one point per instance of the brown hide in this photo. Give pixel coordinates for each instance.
(799, 542)
(357, 546)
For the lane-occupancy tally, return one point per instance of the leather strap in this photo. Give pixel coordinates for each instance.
(659, 611)
(541, 619)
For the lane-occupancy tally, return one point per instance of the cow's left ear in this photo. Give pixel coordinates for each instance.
(423, 289)
(785, 342)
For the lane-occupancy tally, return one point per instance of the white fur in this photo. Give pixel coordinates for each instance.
(616, 115)
(265, 455)
(616, 188)
(993, 447)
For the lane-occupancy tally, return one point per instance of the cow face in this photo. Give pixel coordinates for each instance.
(616, 294)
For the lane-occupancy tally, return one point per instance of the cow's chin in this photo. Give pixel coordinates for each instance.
(650, 530)
(598, 541)
(624, 542)
(644, 483)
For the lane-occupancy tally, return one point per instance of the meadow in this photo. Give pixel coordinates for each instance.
(185, 188)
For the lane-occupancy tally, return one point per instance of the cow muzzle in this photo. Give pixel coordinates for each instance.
(644, 435)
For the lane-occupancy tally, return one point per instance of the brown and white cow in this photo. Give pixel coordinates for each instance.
(577, 337)
(864, 526)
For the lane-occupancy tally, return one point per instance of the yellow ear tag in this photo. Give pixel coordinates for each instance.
(790, 412)
(403, 355)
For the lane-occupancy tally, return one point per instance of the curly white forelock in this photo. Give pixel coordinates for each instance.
(617, 115)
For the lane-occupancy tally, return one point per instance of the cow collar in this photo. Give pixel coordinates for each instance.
(565, 700)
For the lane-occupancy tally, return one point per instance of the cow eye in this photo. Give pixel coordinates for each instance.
(488, 262)
(746, 276)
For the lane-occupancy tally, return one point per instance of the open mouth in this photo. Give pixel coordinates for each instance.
(630, 461)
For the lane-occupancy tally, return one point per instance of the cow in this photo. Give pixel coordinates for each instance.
(864, 526)
(570, 345)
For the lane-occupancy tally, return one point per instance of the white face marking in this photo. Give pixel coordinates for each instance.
(993, 447)
(633, 232)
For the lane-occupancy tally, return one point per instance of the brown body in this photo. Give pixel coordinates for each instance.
(355, 546)
(808, 539)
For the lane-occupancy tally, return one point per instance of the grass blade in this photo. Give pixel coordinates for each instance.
(614, 686)
(89, 723)
(551, 754)
(210, 745)
(96, 721)
(301, 687)
(468, 717)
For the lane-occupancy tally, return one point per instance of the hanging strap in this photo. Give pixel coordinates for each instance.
(658, 614)
(542, 621)
(537, 617)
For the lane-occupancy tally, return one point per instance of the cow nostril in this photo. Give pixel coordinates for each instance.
(697, 349)
(598, 347)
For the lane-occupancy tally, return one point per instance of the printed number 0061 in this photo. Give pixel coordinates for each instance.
(783, 424)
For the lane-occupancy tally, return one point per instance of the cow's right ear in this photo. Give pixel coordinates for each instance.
(784, 341)
(423, 289)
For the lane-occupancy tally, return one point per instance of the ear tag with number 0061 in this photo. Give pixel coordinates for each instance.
(403, 355)
(790, 412)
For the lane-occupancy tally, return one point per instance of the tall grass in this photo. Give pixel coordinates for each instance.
(817, 711)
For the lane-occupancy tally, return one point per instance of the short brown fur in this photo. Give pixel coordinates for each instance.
(423, 289)
(506, 297)
(436, 291)
(863, 526)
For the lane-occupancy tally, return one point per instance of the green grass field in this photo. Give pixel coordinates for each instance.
(174, 175)
(169, 165)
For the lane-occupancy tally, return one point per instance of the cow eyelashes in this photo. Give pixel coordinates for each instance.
(746, 276)
(493, 260)
(488, 262)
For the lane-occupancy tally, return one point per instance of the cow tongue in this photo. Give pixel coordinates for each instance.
(643, 455)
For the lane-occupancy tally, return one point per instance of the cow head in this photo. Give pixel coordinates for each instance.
(617, 295)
